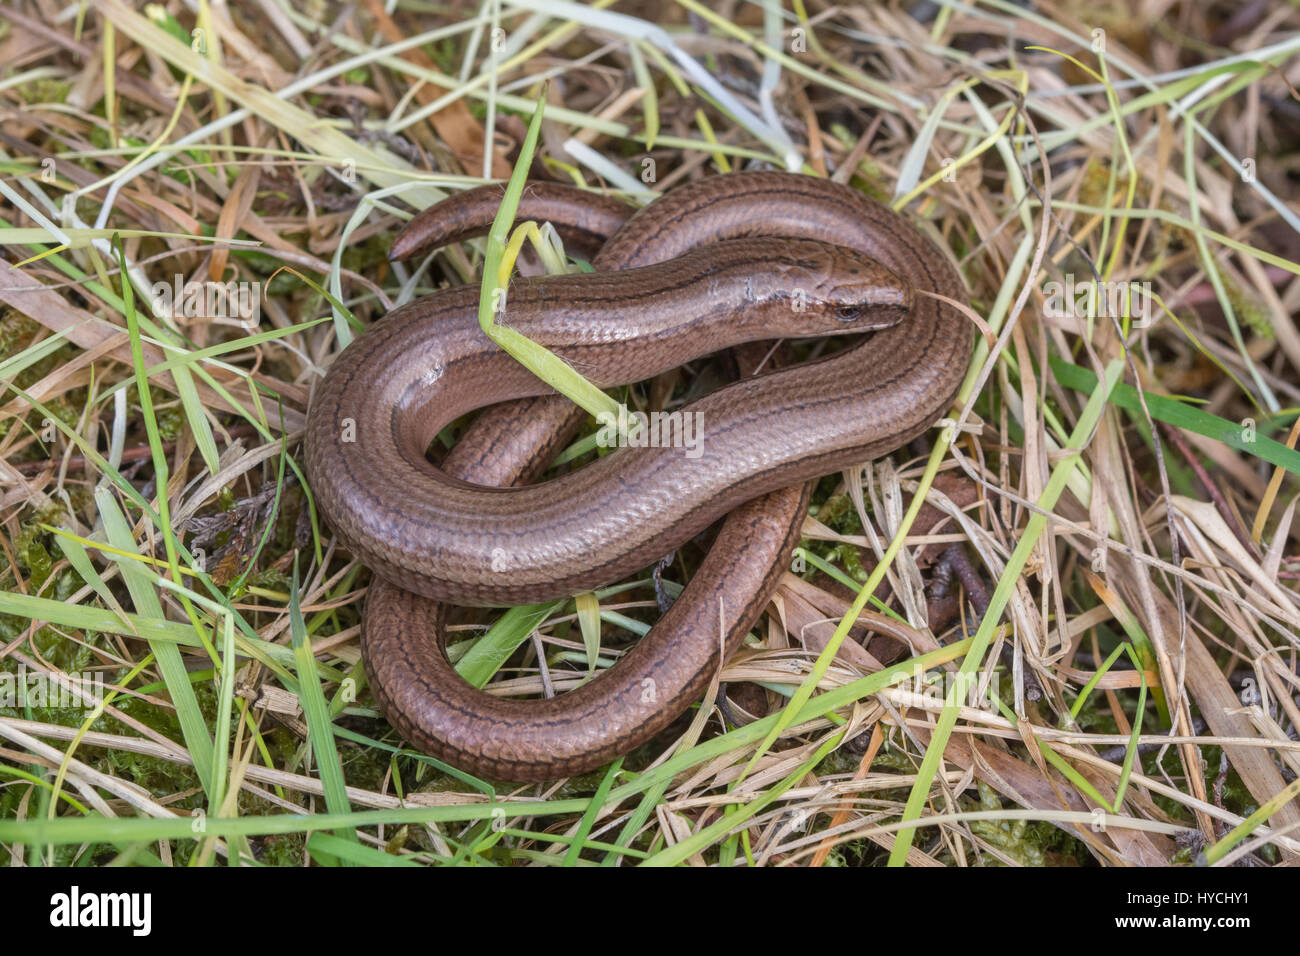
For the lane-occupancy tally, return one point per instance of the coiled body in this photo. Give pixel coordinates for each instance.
(763, 436)
(390, 393)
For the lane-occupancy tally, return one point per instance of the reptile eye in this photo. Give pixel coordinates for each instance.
(848, 313)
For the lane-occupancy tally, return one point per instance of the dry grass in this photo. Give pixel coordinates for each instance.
(1134, 549)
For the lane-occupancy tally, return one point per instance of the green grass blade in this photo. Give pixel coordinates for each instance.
(1247, 826)
(320, 729)
(86, 618)
(1242, 436)
(589, 818)
(140, 584)
(494, 648)
(357, 854)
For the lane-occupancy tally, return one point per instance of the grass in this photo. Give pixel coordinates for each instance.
(1131, 478)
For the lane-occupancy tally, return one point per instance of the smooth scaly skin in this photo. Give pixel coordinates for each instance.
(428, 363)
(587, 219)
(909, 374)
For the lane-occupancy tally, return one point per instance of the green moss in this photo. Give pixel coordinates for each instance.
(285, 849)
(850, 559)
(171, 420)
(17, 333)
(363, 257)
(1012, 837)
(1250, 312)
(44, 90)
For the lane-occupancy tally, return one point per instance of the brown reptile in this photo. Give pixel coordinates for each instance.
(441, 532)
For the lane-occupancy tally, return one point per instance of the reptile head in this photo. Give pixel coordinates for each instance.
(828, 290)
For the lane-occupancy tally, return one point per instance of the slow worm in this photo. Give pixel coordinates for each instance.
(677, 279)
